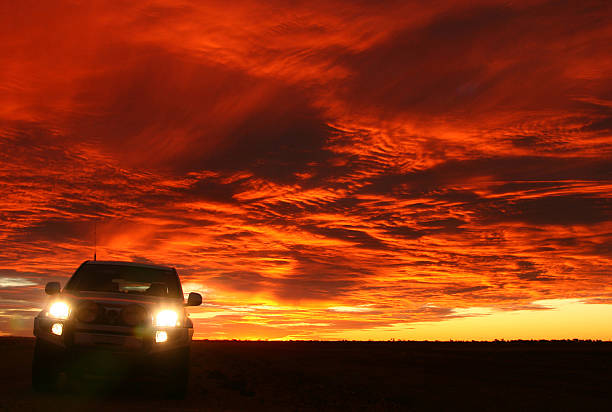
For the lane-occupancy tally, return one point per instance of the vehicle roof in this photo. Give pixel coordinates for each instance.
(120, 263)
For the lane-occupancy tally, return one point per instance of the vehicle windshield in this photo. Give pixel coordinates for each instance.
(125, 279)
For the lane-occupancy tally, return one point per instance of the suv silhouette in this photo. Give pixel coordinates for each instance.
(115, 319)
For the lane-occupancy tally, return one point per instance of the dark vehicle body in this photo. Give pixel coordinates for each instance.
(115, 320)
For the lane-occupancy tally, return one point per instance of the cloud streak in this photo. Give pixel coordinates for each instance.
(329, 168)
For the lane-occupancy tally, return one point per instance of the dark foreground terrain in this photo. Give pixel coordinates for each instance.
(229, 375)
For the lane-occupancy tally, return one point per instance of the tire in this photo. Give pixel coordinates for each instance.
(178, 376)
(45, 372)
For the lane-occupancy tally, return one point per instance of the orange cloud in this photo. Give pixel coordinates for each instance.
(324, 170)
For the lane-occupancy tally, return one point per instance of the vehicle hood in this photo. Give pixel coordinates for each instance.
(118, 299)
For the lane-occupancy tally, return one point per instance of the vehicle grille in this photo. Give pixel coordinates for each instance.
(113, 315)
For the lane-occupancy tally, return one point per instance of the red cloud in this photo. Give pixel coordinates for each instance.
(398, 162)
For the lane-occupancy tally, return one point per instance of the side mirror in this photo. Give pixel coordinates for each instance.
(194, 299)
(52, 288)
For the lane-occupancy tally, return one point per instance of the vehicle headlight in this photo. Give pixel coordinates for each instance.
(59, 310)
(166, 318)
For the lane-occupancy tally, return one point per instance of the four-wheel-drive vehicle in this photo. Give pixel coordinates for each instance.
(115, 319)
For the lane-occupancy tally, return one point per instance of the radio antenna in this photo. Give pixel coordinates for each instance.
(95, 240)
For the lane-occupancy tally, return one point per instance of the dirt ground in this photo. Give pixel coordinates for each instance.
(294, 376)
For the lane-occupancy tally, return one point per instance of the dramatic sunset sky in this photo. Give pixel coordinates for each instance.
(317, 170)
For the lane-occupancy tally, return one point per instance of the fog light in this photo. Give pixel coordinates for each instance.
(57, 329)
(160, 336)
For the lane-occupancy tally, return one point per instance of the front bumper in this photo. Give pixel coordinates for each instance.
(123, 341)
(110, 352)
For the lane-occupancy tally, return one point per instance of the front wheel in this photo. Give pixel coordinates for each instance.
(45, 371)
(178, 377)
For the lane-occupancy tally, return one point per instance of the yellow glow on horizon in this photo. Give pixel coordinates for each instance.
(568, 319)
(557, 319)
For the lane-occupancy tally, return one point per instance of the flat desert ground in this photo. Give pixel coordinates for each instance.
(295, 376)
